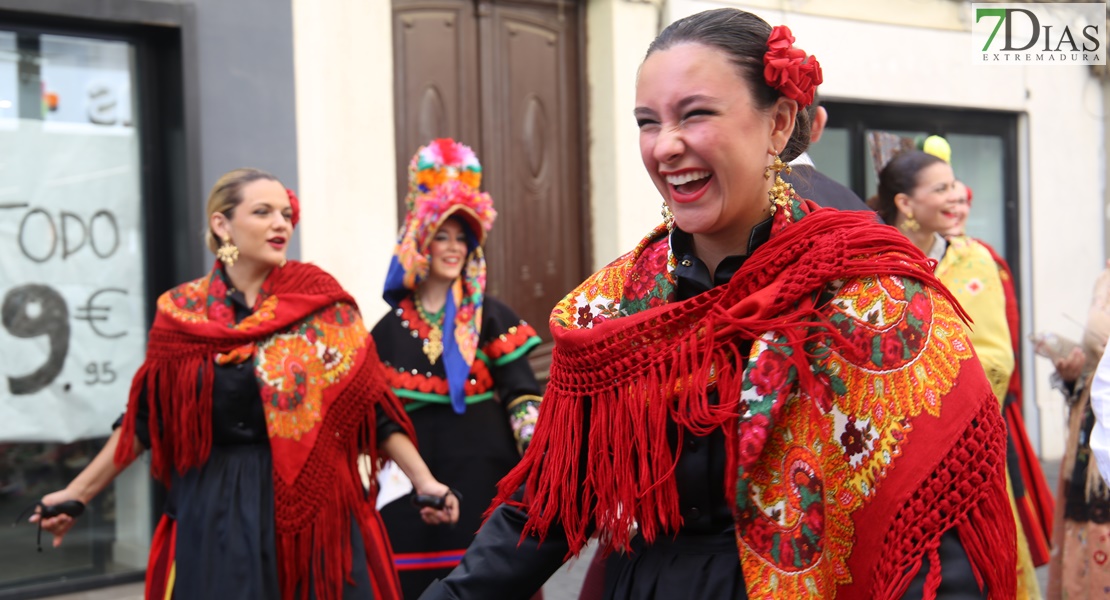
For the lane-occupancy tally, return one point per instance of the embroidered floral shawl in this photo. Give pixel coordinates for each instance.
(859, 429)
(320, 380)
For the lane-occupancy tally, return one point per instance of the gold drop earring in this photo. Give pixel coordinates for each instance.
(668, 216)
(228, 253)
(910, 224)
(780, 193)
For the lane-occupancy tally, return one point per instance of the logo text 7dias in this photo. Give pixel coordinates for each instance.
(1038, 33)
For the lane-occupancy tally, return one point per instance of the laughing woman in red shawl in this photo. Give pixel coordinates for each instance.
(260, 389)
(763, 399)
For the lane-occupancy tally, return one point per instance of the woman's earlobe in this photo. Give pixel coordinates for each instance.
(783, 120)
(902, 202)
(218, 224)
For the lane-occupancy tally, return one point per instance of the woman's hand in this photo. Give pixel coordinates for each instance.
(94, 478)
(1071, 366)
(449, 514)
(60, 524)
(399, 448)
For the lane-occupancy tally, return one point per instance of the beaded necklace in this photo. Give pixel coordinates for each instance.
(433, 345)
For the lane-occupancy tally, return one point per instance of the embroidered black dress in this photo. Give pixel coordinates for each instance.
(470, 452)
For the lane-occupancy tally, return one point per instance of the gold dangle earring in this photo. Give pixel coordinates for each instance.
(781, 192)
(910, 224)
(668, 216)
(228, 253)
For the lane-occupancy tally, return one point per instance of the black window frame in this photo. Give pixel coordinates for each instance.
(858, 118)
(165, 183)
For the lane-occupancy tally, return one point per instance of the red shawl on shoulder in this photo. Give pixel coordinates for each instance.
(320, 380)
(859, 429)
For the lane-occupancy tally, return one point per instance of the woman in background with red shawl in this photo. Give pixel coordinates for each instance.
(260, 390)
(763, 399)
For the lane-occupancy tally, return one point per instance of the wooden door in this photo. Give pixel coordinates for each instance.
(521, 109)
(435, 73)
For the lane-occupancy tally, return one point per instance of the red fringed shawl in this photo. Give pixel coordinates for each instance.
(859, 429)
(320, 381)
(1036, 506)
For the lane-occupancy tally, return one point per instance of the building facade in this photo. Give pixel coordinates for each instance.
(133, 108)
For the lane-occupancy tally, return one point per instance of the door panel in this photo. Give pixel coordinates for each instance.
(436, 78)
(506, 79)
(535, 251)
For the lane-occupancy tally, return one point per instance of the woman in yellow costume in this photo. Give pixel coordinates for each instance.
(918, 195)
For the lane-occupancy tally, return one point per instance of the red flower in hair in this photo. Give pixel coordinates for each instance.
(789, 70)
(295, 203)
(780, 40)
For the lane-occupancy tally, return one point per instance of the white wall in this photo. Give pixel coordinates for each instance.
(624, 202)
(874, 52)
(343, 60)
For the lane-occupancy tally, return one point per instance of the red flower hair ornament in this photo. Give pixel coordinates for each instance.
(295, 204)
(789, 70)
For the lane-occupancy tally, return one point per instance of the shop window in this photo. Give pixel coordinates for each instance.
(984, 155)
(73, 295)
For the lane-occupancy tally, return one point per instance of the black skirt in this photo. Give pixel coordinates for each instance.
(470, 452)
(225, 530)
(688, 567)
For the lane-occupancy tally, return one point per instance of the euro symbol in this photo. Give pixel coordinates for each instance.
(92, 313)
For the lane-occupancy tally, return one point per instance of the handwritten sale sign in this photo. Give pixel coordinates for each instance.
(72, 327)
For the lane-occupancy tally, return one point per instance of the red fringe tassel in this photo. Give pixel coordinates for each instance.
(313, 513)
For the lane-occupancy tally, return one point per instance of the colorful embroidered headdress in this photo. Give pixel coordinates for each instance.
(444, 177)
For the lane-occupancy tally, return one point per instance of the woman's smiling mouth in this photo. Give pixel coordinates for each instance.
(687, 185)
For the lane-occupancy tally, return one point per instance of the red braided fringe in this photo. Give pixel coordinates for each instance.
(627, 378)
(319, 553)
(180, 419)
(967, 491)
(629, 473)
(313, 515)
(383, 575)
